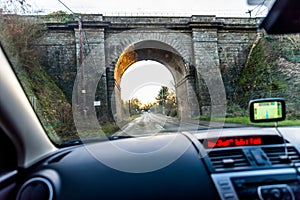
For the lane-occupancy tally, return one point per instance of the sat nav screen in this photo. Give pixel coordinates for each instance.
(267, 110)
(224, 142)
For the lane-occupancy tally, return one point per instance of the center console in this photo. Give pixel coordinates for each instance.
(279, 184)
(253, 167)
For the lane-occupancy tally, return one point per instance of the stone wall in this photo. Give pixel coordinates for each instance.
(60, 58)
(215, 49)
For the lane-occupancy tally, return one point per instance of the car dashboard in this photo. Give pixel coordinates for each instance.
(211, 164)
(234, 163)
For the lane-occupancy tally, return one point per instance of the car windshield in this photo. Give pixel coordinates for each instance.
(128, 69)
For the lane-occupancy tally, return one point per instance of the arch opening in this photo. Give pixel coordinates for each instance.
(148, 86)
(184, 82)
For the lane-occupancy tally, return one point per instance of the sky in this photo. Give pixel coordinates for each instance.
(155, 7)
(144, 79)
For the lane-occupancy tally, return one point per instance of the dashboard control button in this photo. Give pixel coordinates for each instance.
(226, 188)
(223, 183)
(228, 195)
(276, 193)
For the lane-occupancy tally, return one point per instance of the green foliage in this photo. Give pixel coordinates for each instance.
(61, 16)
(234, 110)
(19, 37)
(246, 121)
(272, 70)
(260, 78)
(290, 47)
(110, 128)
(52, 108)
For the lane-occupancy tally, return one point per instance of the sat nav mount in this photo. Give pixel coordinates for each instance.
(269, 110)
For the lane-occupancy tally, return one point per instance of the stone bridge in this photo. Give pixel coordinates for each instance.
(205, 54)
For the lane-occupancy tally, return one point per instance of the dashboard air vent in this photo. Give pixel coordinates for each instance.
(277, 155)
(228, 159)
(36, 189)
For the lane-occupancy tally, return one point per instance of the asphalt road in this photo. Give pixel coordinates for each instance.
(151, 124)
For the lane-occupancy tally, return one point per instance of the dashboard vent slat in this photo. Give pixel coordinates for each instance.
(228, 159)
(276, 155)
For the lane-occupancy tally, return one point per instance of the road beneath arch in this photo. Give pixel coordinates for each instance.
(151, 124)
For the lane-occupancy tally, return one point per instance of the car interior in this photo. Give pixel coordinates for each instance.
(245, 163)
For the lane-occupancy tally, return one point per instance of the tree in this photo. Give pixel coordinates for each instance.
(162, 95)
(20, 36)
(171, 104)
(15, 6)
(167, 100)
(171, 100)
(135, 105)
(260, 78)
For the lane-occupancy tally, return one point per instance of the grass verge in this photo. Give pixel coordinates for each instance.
(246, 121)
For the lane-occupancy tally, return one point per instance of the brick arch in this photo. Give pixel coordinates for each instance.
(151, 50)
(179, 43)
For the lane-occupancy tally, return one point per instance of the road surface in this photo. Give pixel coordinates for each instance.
(151, 124)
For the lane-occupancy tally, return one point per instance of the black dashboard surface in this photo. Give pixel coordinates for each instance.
(78, 174)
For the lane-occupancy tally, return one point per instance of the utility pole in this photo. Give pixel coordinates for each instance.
(129, 108)
(81, 60)
(81, 49)
(163, 101)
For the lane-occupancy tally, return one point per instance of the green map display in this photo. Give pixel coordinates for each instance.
(267, 110)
